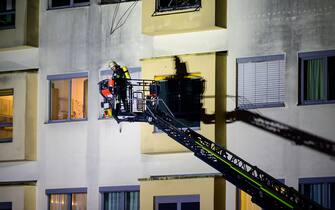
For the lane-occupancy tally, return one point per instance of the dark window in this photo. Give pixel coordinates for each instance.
(170, 5)
(6, 115)
(68, 97)
(121, 198)
(68, 3)
(320, 191)
(317, 77)
(190, 206)
(5, 205)
(178, 202)
(67, 199)
(7, 14)
(167, 206)
(261, 82)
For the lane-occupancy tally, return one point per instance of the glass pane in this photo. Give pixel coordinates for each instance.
(6, 114)
(112, 201)
(246, 203)
(81, 1)
(132, 201)
(60, 3)
(79, 201)
(190, 206)
(7, 20)
(59, 202)
(167, 206)
(314, 80)
(79, 98)
(6, 5)
(59, 99)
(331, 77)
(322, 193)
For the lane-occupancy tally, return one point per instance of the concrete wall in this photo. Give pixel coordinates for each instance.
(23, 146)
(266, 27)
(93, 153)
(208, 17)
(22, 197)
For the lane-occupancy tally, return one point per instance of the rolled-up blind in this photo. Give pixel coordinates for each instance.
(261, 82)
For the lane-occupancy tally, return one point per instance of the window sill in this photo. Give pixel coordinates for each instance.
(307, 103)
(7, 140)
(64, 121)
(261, 106)
(172, 11)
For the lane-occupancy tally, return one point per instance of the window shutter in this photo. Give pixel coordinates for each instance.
(261, 82)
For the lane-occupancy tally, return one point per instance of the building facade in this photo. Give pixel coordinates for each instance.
(58, 151)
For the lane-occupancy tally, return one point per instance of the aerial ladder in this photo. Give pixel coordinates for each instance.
(144, 105)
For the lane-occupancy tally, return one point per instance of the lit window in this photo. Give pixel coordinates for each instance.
(261, 82)
(68, 3)
(170, 5)
(68, 97)
(317, 73)
(7, 14)
(5, 205)
(178, 202)
(120, 198)
(67, 199)
(320, 190)
(6, 115)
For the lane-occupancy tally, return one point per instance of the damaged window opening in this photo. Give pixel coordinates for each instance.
(171, 5)
(115, 1)
(58, 4)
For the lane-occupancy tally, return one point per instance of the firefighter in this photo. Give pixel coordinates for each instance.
(120, 77)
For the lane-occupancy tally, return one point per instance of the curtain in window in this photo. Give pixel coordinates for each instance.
(79, 201)
(315, 80)
(112, 201)
(59, 202)
(132, 201)
(323, 193)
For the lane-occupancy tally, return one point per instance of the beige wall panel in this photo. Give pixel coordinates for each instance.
(204, 19)
(16, 36)
(201, 186)
(17, 195)
(24, 119)
(29, 198)
(31, 117)
(203, 63)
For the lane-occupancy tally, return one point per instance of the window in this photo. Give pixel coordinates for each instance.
(67, 199)
(67, 3)
(180, 202)
(115, 1)
(120, 198)
(68, 97)
(320, 190)
(261, 82)
(317, 73)
(5, 205)
(170, 5)
(7, 14)
(6, 115)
